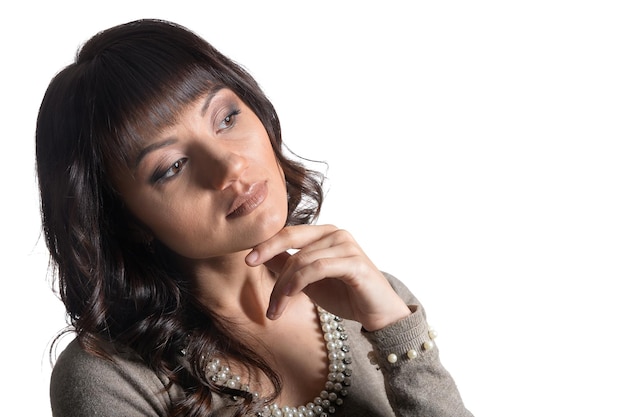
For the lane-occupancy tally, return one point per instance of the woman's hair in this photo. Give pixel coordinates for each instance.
(128, 83)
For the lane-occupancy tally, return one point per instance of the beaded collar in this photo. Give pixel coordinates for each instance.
(335, 389)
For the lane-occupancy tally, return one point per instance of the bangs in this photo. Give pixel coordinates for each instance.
(138, 102)
(139, 81)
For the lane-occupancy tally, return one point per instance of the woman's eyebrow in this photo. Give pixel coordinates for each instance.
(207, 101)
(151, 148)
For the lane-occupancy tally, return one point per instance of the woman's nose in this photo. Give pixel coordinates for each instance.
(224, 168)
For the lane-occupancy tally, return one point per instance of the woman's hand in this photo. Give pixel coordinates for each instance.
(333, 271)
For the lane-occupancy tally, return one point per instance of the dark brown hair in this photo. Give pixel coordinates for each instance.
(128, 82)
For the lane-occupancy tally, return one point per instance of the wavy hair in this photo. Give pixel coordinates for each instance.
(126, 83)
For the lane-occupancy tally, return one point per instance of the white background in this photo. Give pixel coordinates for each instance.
(476, 151)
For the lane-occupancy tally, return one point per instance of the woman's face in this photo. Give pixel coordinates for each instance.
(210, 185)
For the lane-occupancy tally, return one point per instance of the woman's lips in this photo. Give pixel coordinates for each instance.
(248, 201)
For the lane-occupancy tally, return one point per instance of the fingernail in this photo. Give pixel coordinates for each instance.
(252, 257)
(271, 312)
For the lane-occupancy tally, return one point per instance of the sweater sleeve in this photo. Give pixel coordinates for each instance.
(84, 385)
(415, 381)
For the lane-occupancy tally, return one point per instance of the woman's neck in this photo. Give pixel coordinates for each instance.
(230, 288)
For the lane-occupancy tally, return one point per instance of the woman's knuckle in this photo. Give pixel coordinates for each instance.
(342, 235)
(320, 265)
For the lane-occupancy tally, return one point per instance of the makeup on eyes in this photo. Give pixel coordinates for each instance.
(219, 112)
(163, 174)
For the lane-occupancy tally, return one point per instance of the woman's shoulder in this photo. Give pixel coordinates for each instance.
(84, 384)
(75, 363)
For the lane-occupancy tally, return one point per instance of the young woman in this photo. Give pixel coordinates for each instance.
(187, 260)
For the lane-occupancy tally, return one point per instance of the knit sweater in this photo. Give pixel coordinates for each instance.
(83, 385)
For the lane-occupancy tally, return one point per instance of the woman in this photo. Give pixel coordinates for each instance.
(187, 260)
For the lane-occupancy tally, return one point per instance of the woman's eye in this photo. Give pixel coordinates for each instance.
(174, 169)
(229, 120)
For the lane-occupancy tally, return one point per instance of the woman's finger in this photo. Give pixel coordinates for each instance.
(277, 263)
(344, 269)
(307, 258)
(290, 237)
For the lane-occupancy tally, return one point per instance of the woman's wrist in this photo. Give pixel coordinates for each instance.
(390, 318)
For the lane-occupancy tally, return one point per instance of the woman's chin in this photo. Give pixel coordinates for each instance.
(269, 228)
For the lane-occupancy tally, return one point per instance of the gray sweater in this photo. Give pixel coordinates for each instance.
(83, 385)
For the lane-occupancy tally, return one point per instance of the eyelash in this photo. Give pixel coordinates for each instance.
(161, 175)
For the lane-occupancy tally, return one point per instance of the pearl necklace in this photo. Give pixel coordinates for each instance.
(336, 387)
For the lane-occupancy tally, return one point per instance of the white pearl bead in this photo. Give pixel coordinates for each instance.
(432, 333)
(392, 358)
(412, 354)
(428, 345)
(334, 334)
